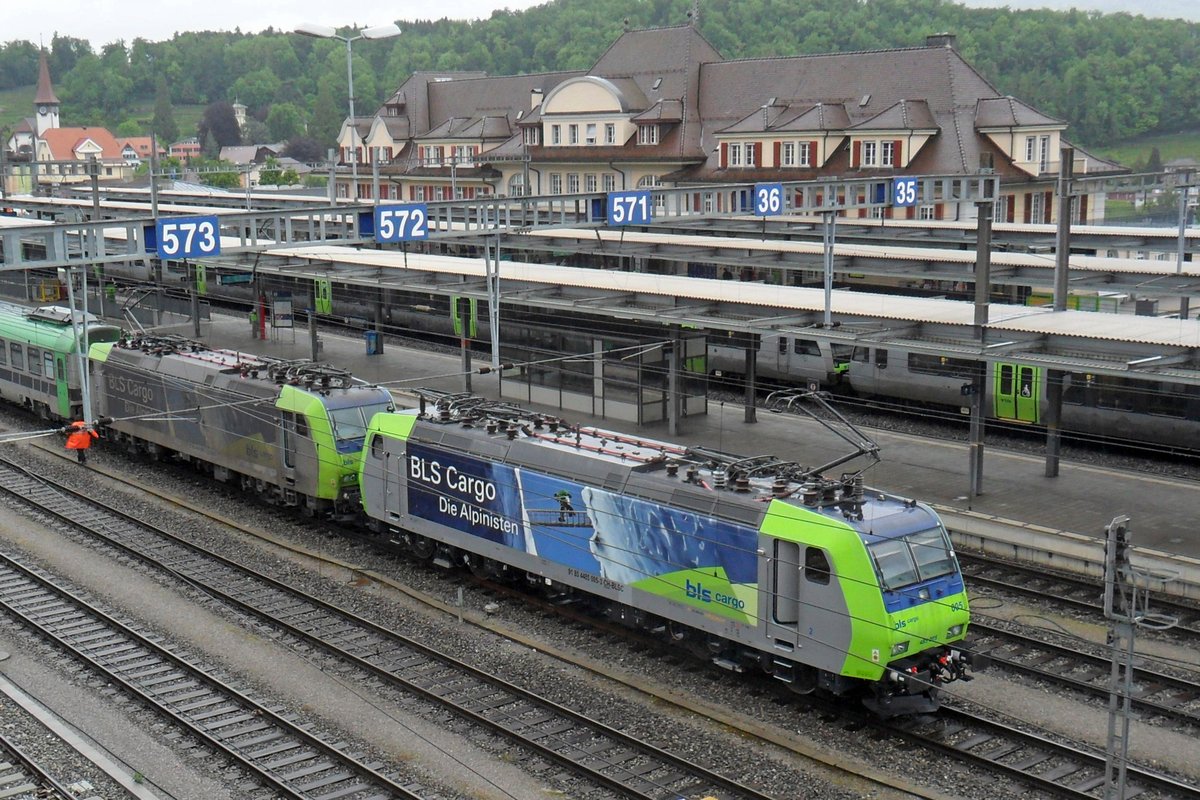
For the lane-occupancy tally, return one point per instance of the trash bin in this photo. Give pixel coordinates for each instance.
(372, 338)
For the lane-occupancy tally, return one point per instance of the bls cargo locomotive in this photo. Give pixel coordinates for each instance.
(756, 562)
(290, 431)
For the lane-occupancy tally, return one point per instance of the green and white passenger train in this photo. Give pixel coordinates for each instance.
(39, 362)
(753, 562)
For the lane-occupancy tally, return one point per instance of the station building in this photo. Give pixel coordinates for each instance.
(661, 107)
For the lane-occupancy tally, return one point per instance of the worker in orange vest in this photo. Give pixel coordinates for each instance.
(79, 438)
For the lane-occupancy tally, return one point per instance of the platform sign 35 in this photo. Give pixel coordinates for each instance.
(904, 192)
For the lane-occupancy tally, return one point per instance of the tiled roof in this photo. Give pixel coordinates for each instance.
(662, 111)
(45, 91)
(63, 142)
(906, 115)
(1008, 112)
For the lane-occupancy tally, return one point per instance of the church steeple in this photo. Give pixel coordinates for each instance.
(45, 102)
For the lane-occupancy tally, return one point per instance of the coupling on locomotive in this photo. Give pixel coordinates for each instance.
(757, 563)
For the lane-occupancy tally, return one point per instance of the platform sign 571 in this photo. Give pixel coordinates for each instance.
(186, 237)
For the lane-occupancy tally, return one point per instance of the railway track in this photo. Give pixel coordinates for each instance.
(598, 754)
(1081, 594)
(269, 745)
(1050, 766)
(1157, 693)
(22, 777)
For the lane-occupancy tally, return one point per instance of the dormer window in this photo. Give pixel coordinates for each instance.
(647, 134)
(590, 133)
(610, 133)
(533, 136)
(887, 154)
(556, 134)
(869, 154)
(573, 134)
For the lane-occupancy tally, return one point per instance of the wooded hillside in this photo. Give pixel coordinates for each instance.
(1111, 76)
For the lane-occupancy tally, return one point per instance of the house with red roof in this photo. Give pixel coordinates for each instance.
(69, 152)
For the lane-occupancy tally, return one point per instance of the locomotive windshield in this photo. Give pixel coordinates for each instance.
(911, 559)
(350, 424)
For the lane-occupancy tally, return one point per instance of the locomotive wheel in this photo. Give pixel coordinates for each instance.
(480, 567)
(804, 680)
(422, 548)
(676, 631)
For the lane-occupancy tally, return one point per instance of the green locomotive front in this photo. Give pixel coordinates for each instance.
(823, 584)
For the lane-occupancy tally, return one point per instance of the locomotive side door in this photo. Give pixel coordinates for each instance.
(807, 623)
(288, 425)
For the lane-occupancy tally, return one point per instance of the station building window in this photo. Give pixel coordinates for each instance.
(610, 133)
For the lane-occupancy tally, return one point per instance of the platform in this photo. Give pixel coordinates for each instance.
(1082, 499)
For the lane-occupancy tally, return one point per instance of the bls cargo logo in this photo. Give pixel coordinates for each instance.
(696, 591)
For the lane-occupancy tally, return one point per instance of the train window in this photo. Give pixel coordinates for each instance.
(816, 565)
(787, 583)
(941, 365)
(894, 563)
(62, 369)
(18, 356)
(376, 445)
(783, 345)
(35, 361)
(880, 358)
(3, 352)
(805, 347)
(1006, 380)
(301, 425)
(932, 553)
(861, 355)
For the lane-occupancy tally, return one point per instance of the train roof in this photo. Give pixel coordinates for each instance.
(50, 326)
(230, 370)
(707, 481)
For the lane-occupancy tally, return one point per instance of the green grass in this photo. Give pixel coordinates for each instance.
(15, 105)
(1136, 152)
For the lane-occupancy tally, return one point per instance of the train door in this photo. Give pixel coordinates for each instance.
(323, 296)
(868, 369)
(288, 425)
(781, 356)
(808, 612)
(1017, 389)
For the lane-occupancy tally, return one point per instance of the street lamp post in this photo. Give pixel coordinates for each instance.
(325, 32)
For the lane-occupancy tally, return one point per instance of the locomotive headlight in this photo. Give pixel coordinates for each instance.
(955, 630)
(900, 648)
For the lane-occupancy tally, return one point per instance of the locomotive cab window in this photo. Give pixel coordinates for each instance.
(376, 446)
(302, 425)
(912, 559)
(862, 355)
(816, 565)
(783, 345)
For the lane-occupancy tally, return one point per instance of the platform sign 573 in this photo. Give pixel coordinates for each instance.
(186, 237)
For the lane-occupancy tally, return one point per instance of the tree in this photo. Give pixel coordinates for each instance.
(304, 148)
(163, 123)
(257, 88)
(327, 119)
(1154, 163)
(221, 124)
(284, 122)
(128, 128)
(254, 132)
(209, 147)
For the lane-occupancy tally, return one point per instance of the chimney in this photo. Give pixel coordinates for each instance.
(535, 98)
(941, 40)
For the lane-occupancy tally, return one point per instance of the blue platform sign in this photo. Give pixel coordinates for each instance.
(904, 192)
(768, 199)
(187, 237)
(401, 223)
(629, 208)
